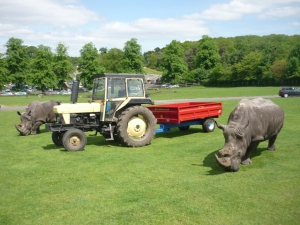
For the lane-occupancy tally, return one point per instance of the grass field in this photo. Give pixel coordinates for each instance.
(175, 180)
(160, 94)
(151, 71)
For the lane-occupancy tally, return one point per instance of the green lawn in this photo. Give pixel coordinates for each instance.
(151, 71)
(159, 94)
(175, 180)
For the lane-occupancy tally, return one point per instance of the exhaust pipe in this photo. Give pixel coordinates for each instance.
(75, 90)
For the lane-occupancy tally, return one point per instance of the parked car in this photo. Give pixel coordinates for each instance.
(289, 91)
(6, 93)
(64, 92)
(20, 93)
(52, 93)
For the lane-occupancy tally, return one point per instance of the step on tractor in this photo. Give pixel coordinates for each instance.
(120, 110)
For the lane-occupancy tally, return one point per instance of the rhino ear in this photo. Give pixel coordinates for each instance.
(220, 126)
(19, 113)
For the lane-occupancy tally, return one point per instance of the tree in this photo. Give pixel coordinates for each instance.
(112, 61)
(133, 61)
(89, 64)
(62, 66)
(173, 66)
(207, 56)
(42, 73)
(103, 50)
(17, 60)
(31, 51)
(247, 68)
(278, 69)
(293, 64)
(200, 75)
(190, 56)
(293, 68)
(153, 61)
(3, 71)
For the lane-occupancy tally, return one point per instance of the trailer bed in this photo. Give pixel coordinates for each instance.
(177, 113)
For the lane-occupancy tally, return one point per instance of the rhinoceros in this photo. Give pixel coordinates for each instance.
(251, 122)
(36, 114)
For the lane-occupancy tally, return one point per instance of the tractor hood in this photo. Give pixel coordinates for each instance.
(77, 108)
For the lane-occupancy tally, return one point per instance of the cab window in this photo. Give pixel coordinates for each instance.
(99, 89)
(135, 88)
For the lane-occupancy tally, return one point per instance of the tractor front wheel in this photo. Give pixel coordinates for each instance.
(136, 126)
(74, 140)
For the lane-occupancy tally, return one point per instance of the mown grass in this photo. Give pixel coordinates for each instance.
(151, 71)
(175, 180)
(159, 94)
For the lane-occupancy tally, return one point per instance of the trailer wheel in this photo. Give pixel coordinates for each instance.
(183, 128)
(208, 125)
(136, 126)
(57, 138)
(74, 140)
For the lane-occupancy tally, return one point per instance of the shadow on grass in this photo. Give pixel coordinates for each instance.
(210, 161)
(175, 132)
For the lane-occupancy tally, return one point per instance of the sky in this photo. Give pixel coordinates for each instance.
(154, 23)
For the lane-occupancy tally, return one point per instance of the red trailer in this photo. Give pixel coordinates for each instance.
(185, 114)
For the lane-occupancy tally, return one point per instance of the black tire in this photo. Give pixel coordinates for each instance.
(57, 138)
(136, 126)
(209, 125)
(184, 128)
(74, 140)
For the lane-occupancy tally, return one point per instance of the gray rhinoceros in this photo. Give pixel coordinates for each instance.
(36, 114)
(251, 122)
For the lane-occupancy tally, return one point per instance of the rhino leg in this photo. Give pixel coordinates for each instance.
(251, 149)
(36, 127)
(271, 145)
(246, 161)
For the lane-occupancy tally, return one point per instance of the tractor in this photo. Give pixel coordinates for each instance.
(116, 112)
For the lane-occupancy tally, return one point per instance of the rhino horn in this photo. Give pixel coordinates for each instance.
(220, 126)
(21, 130)
(224, 161)
(18, 127)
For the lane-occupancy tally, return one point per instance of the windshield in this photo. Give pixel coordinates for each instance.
(99, 90)
(135, 88)
(116, 88)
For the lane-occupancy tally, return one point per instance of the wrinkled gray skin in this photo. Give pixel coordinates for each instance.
(36, 114)
(251, 122)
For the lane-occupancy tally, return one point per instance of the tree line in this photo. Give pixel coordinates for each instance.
(209, 61)
(40, 66)
(272, 59)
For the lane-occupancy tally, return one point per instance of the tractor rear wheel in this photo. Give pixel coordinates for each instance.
(136, 126)
(74, 140)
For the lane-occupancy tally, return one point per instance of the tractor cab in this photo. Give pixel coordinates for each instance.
(116, 91)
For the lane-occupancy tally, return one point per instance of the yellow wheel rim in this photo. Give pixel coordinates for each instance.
(136, 127)
(74, 141)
